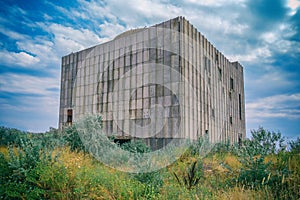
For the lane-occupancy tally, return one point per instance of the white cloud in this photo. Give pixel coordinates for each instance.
(132, 13)
(254, 55)
(34, 113)
(274, 78)
(215, 3)
(49, 52)
(95, 10)
(68, 39)
(12, 34)
(27, 84)
(277, 106)
(293, 4)
(42, 48)
(110, 30)
(22, 59)
(217, 24)
(34, 99)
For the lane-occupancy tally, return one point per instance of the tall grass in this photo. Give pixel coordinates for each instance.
(54, 166)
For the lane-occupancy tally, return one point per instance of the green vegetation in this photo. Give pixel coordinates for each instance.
(55, 165)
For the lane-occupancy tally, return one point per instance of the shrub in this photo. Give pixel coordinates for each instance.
(265, 142)
(194, 172)
(152, 182)
(19, 179)
(72, 138)
(135, 147)
(264, 165)
(295, 146)
(201, 147)
(13, 136)
(82, 128)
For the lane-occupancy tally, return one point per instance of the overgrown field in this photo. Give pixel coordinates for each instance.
(55, 165)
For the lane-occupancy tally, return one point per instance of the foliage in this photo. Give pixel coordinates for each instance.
(201, 147)
(52, 165)
(19, 170)
(264, 142)
(72, 138)
(194, 172)
(50, 139)
(295, 146)
(259, 169)
(135, 147)
(72, 134)
(11, 136)
(152, 182)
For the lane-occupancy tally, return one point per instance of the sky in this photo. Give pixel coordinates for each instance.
(263, 35)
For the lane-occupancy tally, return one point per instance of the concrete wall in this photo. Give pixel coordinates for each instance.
(166, 81)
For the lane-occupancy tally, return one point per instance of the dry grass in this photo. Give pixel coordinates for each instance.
(238, 193)
(72, 159)
(93, 180)
(5, 151)
(232, 161)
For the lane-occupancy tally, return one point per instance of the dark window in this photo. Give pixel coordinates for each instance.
(231, 83)
(207, 64)
(110, 85)
(240, 106)
(220, 74)
(69, 115)
(230, 119)
(240, 139)
(213, 113)
(109, 127)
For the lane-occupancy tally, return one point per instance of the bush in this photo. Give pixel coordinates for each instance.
(152, 182)
(201, 147)
(264, 165)
(265, 142)
(260, 168)
(12, 136)
(254, 173)
(294, 146)
(72, 134)
(72, 138)
(135, 147)
(193, 174)
(19, 179)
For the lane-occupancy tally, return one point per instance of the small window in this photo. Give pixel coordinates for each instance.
(240, 140)
(207, 64)
(69, 115)
(220, 74)
(230, 119)
(110, 85)
(231, 84)
(240, 106)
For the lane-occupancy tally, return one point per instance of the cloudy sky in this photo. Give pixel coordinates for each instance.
(263, 35)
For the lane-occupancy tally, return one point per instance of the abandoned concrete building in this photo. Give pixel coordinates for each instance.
(156, 83)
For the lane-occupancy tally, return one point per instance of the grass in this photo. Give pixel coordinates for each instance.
(31, 171)
(77, 175)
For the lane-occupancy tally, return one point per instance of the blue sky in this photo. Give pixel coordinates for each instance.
(263, 35)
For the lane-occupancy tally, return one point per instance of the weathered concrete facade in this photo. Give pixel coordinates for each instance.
(168, 78)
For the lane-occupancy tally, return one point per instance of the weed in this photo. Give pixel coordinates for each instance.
(191, 178)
